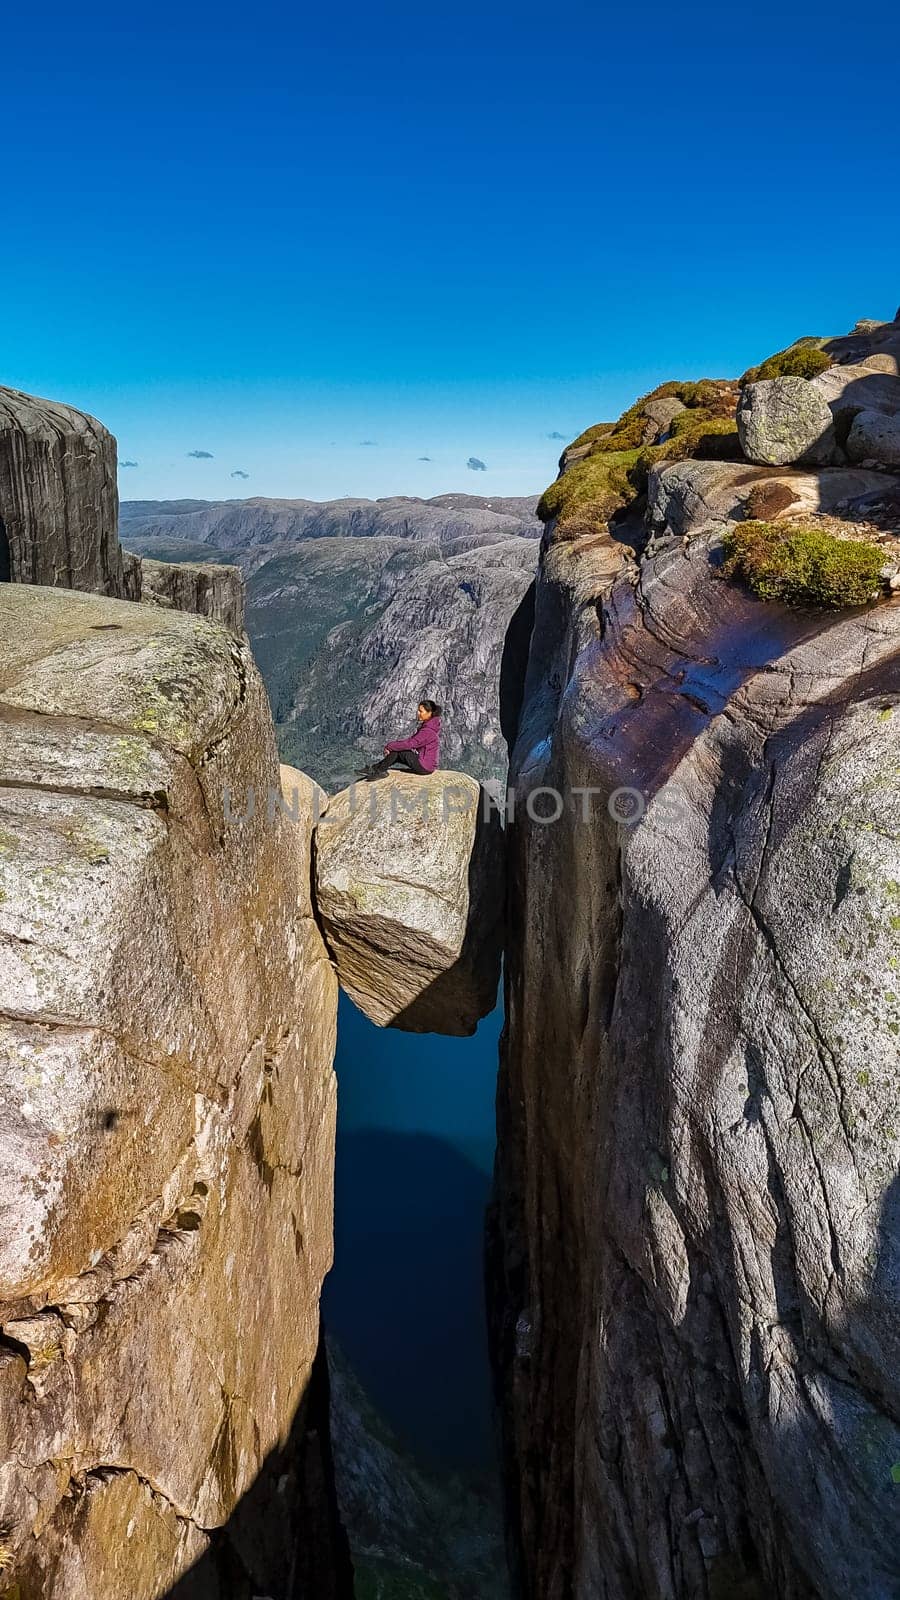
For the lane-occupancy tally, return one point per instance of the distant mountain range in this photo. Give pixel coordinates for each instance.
(240, 526)
(358, 608)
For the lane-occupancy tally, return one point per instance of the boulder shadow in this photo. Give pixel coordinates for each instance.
(284, 1539)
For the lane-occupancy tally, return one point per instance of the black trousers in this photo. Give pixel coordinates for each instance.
(397, 758)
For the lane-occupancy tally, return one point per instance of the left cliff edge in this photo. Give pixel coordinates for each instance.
(167, 1031)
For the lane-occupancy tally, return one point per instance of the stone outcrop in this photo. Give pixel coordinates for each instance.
(695, 1229)
(689, 495)
(409, 889)
(59, 510)
(875, 437)
(58, 497)
(785, 419)
(167, 1027)
(216, 592)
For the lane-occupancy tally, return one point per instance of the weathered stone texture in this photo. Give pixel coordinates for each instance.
(785, 419)
(59, 503)
(409, 887)
(216, 592)
(695, 1231)
(167, 1028)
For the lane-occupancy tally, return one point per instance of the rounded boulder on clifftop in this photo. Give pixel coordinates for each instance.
(785, 419)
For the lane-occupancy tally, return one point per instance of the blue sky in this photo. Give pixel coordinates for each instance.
(271, 234)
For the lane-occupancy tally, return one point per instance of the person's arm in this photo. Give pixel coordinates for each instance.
(403, 744)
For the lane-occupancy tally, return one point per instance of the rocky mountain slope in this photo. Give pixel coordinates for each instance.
(351, 633)
(414, 1534)
(695, 1235)
(357, 609)
(254, 525)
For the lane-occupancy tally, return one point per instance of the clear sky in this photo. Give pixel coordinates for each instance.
(319, 245)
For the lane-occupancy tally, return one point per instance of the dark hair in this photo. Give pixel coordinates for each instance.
(432, 707)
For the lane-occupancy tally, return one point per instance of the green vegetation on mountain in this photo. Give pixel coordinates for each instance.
(803, 565)
(694, 434)
(620, 454)
(803, 359)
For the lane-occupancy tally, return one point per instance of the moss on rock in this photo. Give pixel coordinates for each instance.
(614, 472)
(804, 359)
(802, 565)
(693, 434)
(595, 488)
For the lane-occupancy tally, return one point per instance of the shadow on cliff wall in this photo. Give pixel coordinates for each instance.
(460, 997)
(514, 664)
(405, 1298)
(5, 555)
(284, 1540)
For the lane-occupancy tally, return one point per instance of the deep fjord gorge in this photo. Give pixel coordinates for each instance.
(693, 1222)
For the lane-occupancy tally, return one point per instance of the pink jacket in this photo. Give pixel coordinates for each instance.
(426, 741)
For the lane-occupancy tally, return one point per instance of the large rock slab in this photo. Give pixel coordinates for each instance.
(691, 495)
(409, 889)
(59, 502)
(854, 387)
(782, 420)
(209, 590)
(698, 1098)
(167, 1027)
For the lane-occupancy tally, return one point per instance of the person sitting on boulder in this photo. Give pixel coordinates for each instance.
(419, 753)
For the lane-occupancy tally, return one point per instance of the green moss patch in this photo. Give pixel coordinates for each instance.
(594, 489)
(803, 566)
(709, 395)
(694, 434)
(801, 360)
(615, 471)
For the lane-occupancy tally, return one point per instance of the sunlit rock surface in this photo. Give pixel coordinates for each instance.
(167, 1024)
(409, 887)
(694, 1245)
(216, 592)
(59, 502)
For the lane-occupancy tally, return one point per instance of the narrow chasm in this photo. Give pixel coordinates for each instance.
(404, 1308)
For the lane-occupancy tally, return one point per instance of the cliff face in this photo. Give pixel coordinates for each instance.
(59, 510)
(58, 497)
(695, 1229)
(166, 1140)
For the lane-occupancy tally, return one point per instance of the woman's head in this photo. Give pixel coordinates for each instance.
(427, 709)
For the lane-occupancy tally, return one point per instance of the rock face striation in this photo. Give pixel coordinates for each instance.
(59, 508)
(409, 887)
(167, 1028)
(694, 1238)
(215, 592)
(58, 497)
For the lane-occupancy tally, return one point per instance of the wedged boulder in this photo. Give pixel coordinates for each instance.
(209, 590)
(409, 890)
(59, 503)
(875, 436)
(785, 419)
(167, 1027)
